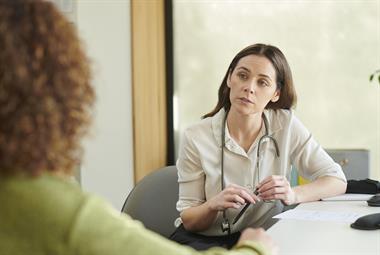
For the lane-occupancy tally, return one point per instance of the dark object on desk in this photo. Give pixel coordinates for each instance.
(374, 201)
(367, 222)
(366, 186)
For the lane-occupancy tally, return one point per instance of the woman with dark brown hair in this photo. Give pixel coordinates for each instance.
(46, 102)
(234, 165)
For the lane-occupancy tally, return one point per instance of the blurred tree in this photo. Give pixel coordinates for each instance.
(376, 73)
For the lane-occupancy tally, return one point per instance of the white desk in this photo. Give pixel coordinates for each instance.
(296, 237)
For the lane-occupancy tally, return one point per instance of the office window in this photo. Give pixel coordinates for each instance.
(332, 48)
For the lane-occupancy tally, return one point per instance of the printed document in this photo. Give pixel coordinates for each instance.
(318, 215)
(349, 197)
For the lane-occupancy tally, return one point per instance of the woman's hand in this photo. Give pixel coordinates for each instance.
(233, 196)
(260, 236)
(277, 187)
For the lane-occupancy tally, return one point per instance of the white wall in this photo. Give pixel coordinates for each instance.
(104, 27)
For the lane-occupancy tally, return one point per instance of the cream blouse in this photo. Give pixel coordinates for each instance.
(199, 163)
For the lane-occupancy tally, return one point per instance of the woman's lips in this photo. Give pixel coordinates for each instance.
(246, 100)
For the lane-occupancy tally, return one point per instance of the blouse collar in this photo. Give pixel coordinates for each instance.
(274, 125)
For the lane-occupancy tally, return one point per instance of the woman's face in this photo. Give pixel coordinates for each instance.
(252, 84)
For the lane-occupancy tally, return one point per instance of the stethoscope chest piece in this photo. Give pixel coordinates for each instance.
(226, 227)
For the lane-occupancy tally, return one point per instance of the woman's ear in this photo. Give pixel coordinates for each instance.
(229, 80)
(276, 96)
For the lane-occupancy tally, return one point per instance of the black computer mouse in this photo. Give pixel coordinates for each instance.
(374, 201)
(367, 222)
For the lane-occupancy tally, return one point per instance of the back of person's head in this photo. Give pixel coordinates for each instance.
(45, 93)
(284, 80)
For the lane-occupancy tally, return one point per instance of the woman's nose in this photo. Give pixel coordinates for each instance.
(250, 88)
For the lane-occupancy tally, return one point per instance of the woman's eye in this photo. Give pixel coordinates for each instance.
(242, 76)
(263, 83)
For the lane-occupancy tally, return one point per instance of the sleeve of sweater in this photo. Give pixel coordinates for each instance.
(98, 229)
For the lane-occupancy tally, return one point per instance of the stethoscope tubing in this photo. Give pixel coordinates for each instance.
(225, 224)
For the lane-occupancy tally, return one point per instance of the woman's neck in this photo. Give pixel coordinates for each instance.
(244, 129)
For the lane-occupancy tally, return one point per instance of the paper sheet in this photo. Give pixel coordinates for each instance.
(318, 215)
(349, 197)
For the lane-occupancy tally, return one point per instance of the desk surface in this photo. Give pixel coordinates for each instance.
(296, 237)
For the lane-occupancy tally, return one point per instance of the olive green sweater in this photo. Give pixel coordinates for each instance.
(50, 215)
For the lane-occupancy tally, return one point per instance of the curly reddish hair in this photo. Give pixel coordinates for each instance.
(46, 97)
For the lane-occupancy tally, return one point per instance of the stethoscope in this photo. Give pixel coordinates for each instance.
(225, 225)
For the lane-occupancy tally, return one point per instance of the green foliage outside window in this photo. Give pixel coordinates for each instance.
(376, 73)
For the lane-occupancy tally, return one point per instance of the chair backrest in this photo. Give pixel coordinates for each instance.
(153, 201)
